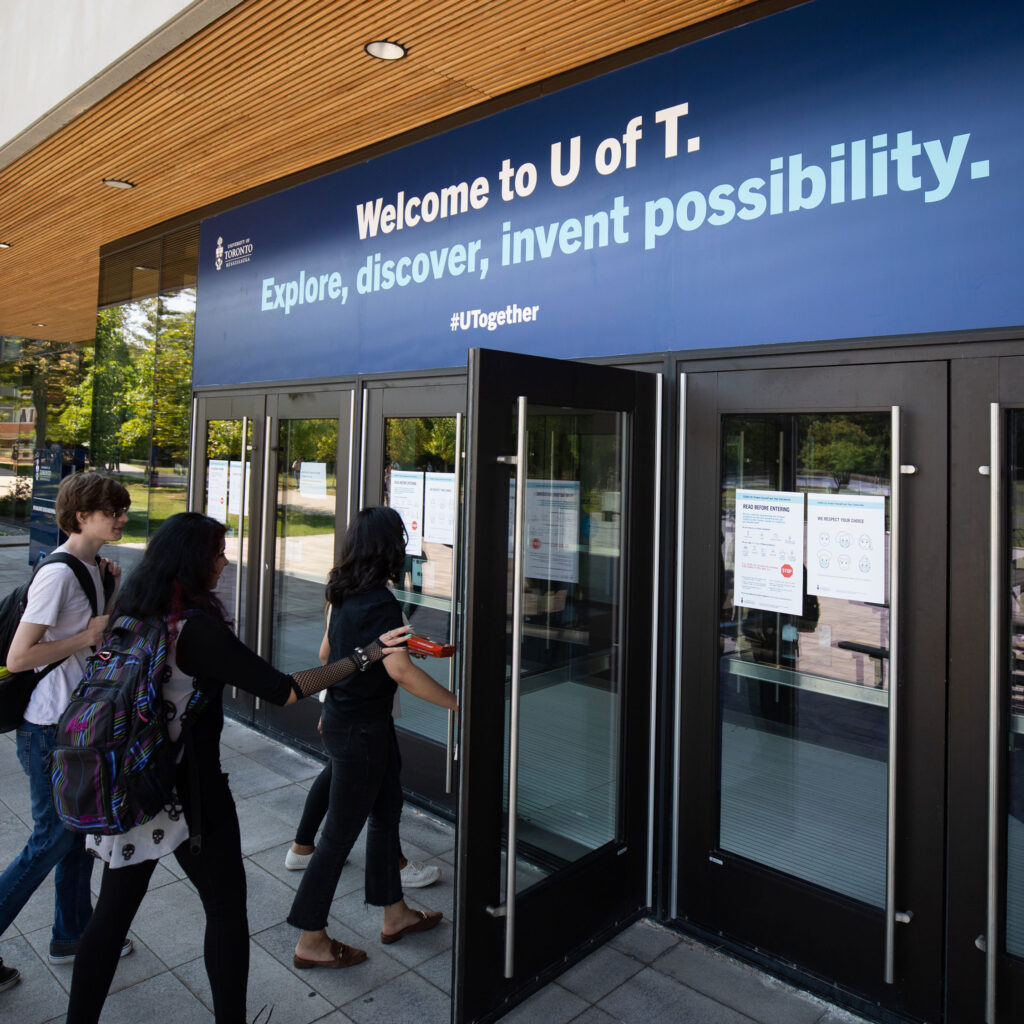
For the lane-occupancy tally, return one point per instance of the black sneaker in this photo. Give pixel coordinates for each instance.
(64, 952)
(9, 976)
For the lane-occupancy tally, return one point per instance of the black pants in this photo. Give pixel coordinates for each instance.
(365, 790)
(219, 877)
(315, 808)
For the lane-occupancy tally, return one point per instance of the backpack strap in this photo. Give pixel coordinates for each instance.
(196, 703)
(85, 581)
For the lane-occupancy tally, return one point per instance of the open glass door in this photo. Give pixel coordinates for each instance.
(553, 818)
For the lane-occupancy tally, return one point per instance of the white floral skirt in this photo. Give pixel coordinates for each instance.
(158, 837)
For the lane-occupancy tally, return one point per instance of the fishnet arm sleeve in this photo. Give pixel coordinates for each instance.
(313, 680)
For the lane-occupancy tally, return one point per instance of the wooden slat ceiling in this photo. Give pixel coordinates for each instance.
(270, 89)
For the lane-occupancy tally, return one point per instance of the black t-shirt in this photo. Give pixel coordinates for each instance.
(357, 622)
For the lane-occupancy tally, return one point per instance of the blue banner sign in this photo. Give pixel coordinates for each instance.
(837, 170)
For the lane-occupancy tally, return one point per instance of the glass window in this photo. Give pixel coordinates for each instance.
(419, 483)
(803, 725)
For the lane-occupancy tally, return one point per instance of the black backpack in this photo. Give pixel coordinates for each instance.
(16, 687)
(113, 763)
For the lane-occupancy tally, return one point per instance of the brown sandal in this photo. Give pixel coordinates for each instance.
(427, 921)
(344, 956)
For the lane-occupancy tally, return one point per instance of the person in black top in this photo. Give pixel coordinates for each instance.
(359, 735)
(175, 582)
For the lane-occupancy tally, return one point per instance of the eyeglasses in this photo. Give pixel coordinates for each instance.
(115, 513)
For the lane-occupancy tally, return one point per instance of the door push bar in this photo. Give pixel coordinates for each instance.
(508, 908)
(988, 942)
(892, 915)
(265, 556)
(241, 532)
(451, 751)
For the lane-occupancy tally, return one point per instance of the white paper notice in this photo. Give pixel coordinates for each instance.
(235, 487)
(439, 508)
(769, 551)
(313, 479)
(407, 501)
(217, 490)
(846, 546)
(551, 536)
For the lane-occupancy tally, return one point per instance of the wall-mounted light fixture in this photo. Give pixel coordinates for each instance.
(382, 49)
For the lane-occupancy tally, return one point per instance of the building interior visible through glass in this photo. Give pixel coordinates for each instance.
(228, 478)
(570, 703)
(307, 487)
(419, 482)
(804, 690)
(1015, 718)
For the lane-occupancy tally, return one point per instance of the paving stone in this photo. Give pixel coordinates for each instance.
(336, 986)
(38, 996)
(438, 971)
(653, 998)
(551, 1005)
(734, 984)
(407, 999)
(153, 1000)
(645, 941)
(603, 970)
(271, 984)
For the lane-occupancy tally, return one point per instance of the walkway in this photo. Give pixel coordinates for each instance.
(646, 975)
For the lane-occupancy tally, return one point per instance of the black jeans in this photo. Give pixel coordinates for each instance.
(219, 877)
(315, 808)
(365, 790)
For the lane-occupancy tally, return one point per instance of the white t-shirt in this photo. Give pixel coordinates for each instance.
(56, 600)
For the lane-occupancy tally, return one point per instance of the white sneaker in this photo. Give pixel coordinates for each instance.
(296, 861)
(418, 876)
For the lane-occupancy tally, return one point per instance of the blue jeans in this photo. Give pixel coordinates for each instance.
(51, 846)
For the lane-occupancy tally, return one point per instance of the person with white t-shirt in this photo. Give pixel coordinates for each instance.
(59, 625)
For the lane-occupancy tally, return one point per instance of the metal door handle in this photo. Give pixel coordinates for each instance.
(894, 707)
(264, 561)
(995, 558)
(241, 533)
(517, 643)
(450, 753)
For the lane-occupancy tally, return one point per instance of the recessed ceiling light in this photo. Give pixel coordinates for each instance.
(117, 183)
(384, 50)
(39, 325)
(5, 245)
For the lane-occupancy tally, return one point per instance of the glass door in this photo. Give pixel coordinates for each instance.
(306, 504)
(226, 481)
(413, 461)
(812, 673)
(553, 803)
(986, 773)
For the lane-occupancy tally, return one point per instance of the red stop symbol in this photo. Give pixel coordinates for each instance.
(535, 543)
(414, 526)
(787, 570)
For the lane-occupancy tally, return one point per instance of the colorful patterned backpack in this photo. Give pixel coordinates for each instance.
(113, 765)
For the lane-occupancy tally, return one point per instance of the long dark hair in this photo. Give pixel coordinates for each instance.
(175, 570)
(372, 554)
